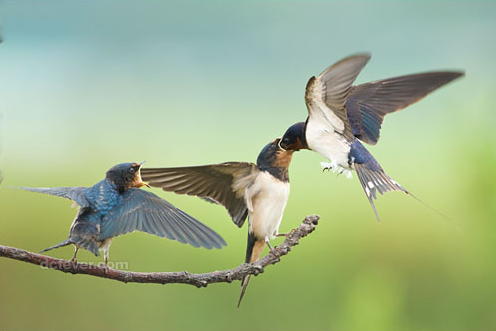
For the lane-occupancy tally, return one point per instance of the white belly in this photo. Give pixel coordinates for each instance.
(322, 139)
(269, 197)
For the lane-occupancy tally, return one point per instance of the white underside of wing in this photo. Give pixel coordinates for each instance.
(324, 131)
(315, 101)
(268, 197)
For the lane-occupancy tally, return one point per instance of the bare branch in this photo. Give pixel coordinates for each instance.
(183, 277)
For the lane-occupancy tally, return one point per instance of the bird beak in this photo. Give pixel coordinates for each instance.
(279, 145)
(140, 181)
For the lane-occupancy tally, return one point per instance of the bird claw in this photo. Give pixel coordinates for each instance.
(329, 166)
(267, 242)
(335, 167)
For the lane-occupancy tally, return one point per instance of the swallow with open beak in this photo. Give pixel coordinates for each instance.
(341, 115)
(116, 206)
(259, 191)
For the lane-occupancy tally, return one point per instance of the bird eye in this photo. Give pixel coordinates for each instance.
(131, 170)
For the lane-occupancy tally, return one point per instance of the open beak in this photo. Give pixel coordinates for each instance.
(140, 181)
(279, 145)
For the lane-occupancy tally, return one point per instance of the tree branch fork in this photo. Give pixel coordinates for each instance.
(181, 277)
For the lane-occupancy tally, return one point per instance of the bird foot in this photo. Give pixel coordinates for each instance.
(106, 269)
(272, 250)
(330, 166)
(335, 167)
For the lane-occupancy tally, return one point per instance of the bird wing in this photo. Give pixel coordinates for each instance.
(368, 104)
(223, 183)
(326, 94)
(144, 211)
(76, 194)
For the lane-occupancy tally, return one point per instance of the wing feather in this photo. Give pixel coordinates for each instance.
(368, 104)
(222, 183)
(76, 194)
(326, 94)
(145, 211)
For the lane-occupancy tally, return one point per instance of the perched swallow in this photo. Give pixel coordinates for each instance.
(340, 115)
(116, 206)
(259, 191)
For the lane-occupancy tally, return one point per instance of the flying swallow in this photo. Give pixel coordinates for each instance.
(116, 206)
(259, 191)
(341, 115)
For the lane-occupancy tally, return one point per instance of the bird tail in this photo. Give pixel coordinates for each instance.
(61, 244)
(89, 244)
(375, 180)
(253, 251)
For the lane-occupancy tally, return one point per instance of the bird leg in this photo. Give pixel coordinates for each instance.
(105, 257)
(74, 260)
(270, 247)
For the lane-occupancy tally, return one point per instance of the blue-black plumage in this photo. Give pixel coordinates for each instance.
(340, 114)
(117, 205)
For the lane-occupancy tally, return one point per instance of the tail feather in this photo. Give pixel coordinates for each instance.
(87, 243)
(378, 180)
(253, 251)
(374, 181)
(244, 285)
(61, 244)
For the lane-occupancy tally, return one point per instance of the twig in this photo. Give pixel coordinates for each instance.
(183, 277)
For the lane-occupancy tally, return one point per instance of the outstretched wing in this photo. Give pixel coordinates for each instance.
(145, 211)
(223, 183)
(368, 104)
(76, 194)
(326, 95)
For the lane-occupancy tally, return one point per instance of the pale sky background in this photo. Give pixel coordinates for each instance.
(89, 84)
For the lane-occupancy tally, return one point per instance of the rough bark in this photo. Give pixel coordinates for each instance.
(182, 277)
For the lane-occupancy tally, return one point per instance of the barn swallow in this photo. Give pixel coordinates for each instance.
(259, 191)
(116, 206)
(341, 115)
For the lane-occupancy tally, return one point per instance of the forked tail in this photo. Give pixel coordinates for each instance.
(377, 180)
(374, 181)
(253, 251)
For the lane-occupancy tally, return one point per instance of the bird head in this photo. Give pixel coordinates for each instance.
(272, 155)
(294, 138)
(126, 175)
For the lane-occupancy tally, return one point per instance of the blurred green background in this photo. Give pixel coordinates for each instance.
(86, 85)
